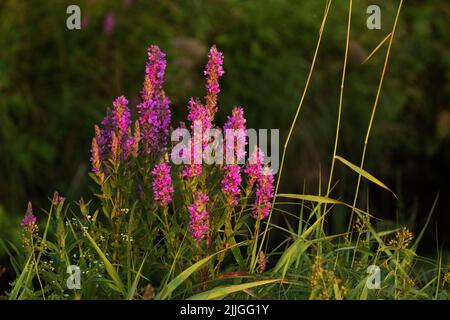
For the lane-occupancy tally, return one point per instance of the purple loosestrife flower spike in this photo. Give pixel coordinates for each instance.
(121, 116)
(136, 139)
(154, 111)
(118, 122)
(262, 262)
(154, 73)
(198, 113)
(213, 71)
(231, 182)
(200, 124)
(254, 167)
(29, 220)
(235, 129)
(199, 216)
(264, 194)
(162, 184)
(115, 149)
(97, 154)
(109, 23)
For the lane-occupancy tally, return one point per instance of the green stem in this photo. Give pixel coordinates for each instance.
(313, 63)
(374, 109)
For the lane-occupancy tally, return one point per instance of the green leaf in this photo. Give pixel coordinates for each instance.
(376, 48)
(309, 197)
(172, 285)
(20, 281)
(108, 266)
(133, 288)
(223, 291)
(364, 173)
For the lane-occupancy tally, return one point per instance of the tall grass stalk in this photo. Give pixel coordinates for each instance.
(374, 109)
(294, 121)
(341, 98)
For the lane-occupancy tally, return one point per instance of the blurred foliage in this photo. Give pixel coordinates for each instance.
(55, 84)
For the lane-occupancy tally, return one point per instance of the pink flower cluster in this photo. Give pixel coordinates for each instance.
(154, 111)
(213, 71)
(114, 142)
(254, 167)
(199, 216)
(162, 184)
(231, 182)
(114, 139)
(29, 221)
(264, 194)
(234, 150)
(235, 128)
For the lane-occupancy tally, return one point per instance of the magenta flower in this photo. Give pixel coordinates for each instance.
(235, 129)
(121, 115)
(154, 73)
(162, 184)
(57, 198)
(154, 111)
(254, 167)
(192, 170)
(121, 125)
(154, 122)
(264, 194)
(29, 221)
(231, 182)
(262, 262)
(213, 71)
(118, 121)
(198, 115)
(199, 216)
(200, 124)
(109, 23)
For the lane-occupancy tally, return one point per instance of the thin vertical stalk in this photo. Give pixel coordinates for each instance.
(313, 63)
(341, 100)
(374, 109)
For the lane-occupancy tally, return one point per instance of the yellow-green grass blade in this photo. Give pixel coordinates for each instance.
(166, 292)
(376, 48)
(20, 281)
(223, 291)
(309, 197)
(172, 285)
(321, 199)
(133, 288)
(108, 266)
(419, 237)
(291, 255)
(364, 174)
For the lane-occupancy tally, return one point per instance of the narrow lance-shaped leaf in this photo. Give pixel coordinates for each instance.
(364, 173)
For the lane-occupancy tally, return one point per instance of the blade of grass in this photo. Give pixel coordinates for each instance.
(108, 266)
(313, 63)
(419, 237)
(374, 109)
(133, 288)
(166, 292)
(364, 173)
(221, 292)
(20, 281)
(376, 48)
